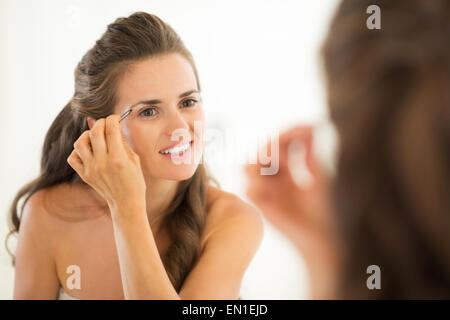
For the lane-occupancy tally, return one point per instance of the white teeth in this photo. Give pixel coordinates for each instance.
(177, 149)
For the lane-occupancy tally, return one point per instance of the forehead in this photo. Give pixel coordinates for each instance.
(161, 77)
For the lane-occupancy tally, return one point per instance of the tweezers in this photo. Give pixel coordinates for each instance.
(125, 114)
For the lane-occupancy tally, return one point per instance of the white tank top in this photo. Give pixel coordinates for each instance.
(62, 295)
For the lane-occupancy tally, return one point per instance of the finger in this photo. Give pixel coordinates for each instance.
(113, 135)
(270, 184)
(294, 141)
(265, 185)
(303, 133)
(259, 184)
(83, 148)
(270, 156)
(75, 162)
(97, 137)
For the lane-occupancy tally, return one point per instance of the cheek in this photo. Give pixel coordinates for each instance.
(198, 123)
(200, 114)
(141, 139)
(128, 134)
(198, 128)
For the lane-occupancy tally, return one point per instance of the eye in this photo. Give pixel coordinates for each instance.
(149, 112)
(188, 103)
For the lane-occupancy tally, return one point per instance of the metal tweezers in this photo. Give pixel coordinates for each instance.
(125, 114)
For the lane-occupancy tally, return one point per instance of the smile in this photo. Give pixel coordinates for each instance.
(177, 149)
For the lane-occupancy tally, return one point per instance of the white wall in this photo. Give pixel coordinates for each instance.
(258, 67)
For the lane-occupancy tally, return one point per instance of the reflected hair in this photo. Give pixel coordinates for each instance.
(389, 98)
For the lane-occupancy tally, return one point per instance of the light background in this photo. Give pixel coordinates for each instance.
(259, 69)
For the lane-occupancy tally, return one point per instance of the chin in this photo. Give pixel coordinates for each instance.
(180, 174)
(174, 172)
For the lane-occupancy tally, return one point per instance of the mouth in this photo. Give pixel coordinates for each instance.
(178, 149)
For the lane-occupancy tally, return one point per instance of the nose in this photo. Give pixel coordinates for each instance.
(176, 121)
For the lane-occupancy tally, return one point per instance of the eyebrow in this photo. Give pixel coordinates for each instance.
(156, 101)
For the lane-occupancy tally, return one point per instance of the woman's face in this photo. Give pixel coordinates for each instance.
(169, 81)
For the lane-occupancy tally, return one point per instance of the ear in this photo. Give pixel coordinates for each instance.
(91, 122)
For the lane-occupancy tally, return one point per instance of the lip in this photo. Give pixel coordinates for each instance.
(179, 157)
(175, 145)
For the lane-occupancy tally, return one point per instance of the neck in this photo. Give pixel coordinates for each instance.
(159, 195)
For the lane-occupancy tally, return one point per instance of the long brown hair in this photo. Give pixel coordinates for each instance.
(127, 40)
(389, 97)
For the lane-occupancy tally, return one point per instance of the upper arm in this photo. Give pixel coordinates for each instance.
(227, 253)
(35, 273)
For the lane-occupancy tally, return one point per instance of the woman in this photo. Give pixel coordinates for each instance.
(118, 210)
(388, 205)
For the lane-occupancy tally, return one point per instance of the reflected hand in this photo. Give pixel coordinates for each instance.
(300, 213)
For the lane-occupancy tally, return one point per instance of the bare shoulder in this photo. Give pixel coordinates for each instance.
(35, 216)
(43, 214)
(235, 231)
(34, 255)
(51, 237)
(51, 212)
(224, 205)
(229, 213)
